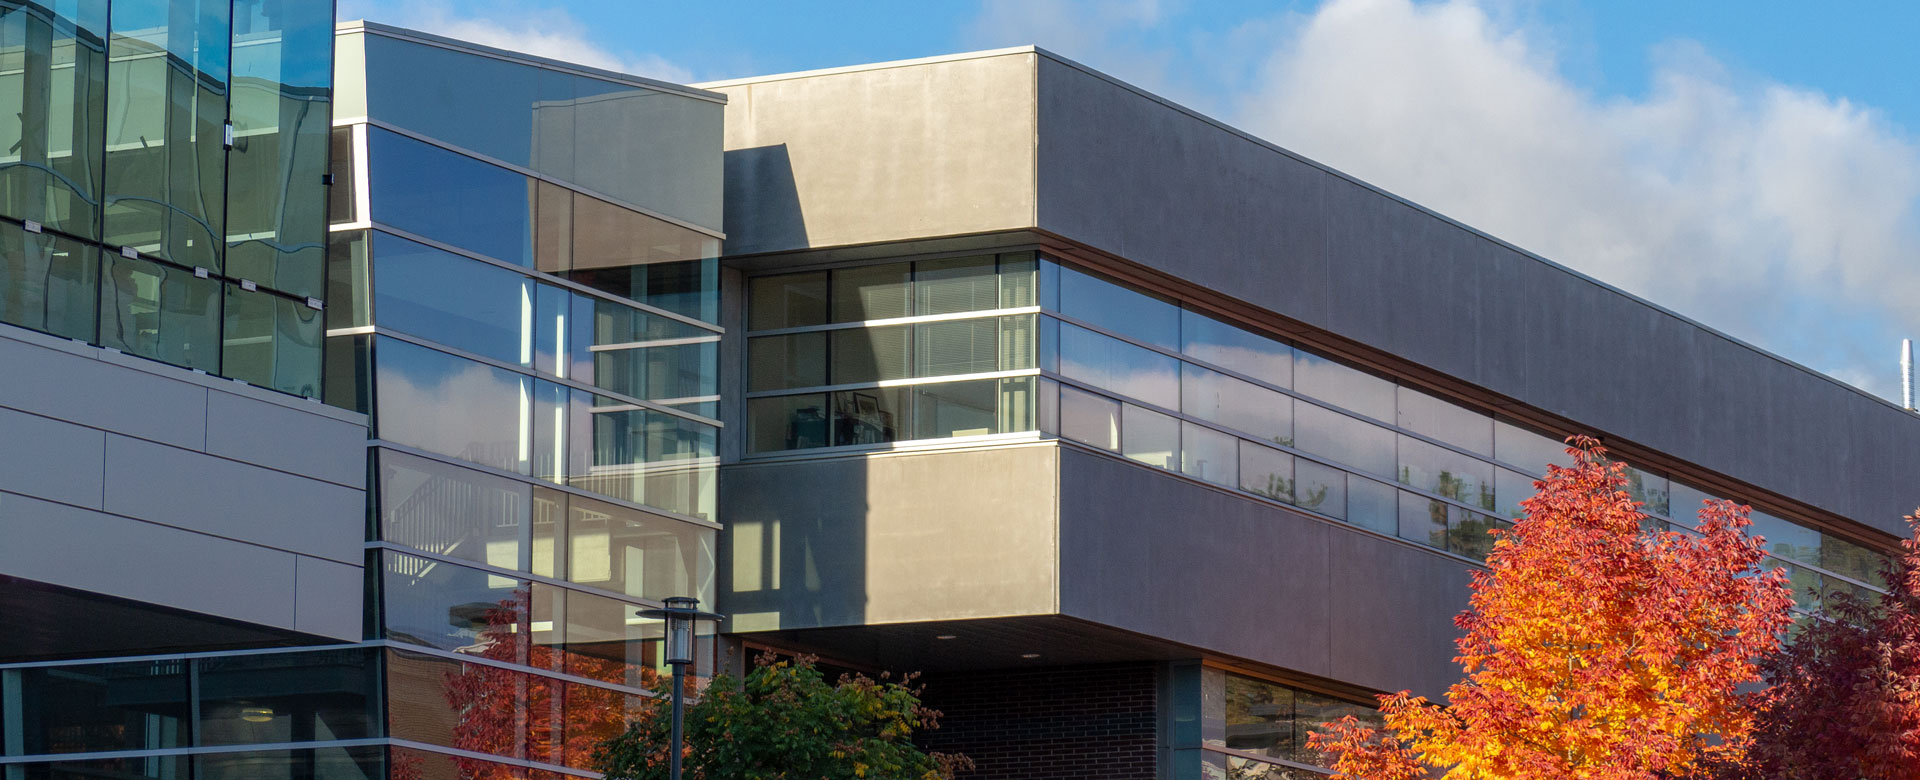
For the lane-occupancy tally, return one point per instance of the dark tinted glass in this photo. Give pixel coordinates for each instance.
(450, 198)
(331, 763)
(872, 354)
(1259, 717)
(132, 768)
(166, 165)
(451, 405)
(54, 176)
(871, 416)
(342, 200)
(787, 301)
(606, 235)
(790, 360)
(137, 705)
(160, 312)
(457, 301)
(1228, 346)
(1135, 315)
(788, 422)
(289, 697)
(690, 288)
(349, 276)
(272, 341)
(47, 283)
(873, 292)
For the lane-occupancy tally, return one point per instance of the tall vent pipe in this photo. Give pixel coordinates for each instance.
(1906, 374)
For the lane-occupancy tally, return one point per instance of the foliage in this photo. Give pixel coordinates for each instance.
(1592, 650)
(784, 721)
(1843, 701)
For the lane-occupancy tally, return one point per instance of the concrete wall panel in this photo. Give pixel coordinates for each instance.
(321, 601)
(226, 498)
(89, 390)
(258, 432)
(50, 459)
(864, 541)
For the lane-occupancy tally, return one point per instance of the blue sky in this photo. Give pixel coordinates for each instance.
(1754, 166)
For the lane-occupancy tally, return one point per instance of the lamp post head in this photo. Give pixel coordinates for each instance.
(680, 614)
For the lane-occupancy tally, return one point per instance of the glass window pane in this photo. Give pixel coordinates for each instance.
(787, 301)
(549, 533)
(1017, 405)
(451, 511)
(641, 455)
(956, 347)
(54, 175)
(289, 697)
(1851, 560)
(956, 409)
(1149, 437)
(685, 376)
(454, 608)
(325, 763)
(956, 284)
(1467, 533)
(1509, 489)
(1244, 406)
(791, 360)
(1786, 539)
(872, 416)
(1017, 279)
(607, 235)
(472, 707)
(452, 406)
(628, 551)
(1373, 505)
(1523, 447)
(1423, 520)
(166, 163)
(599, 638)
(1344, 439)
(136, 705)
(1229, 346)
(1209, 455)
(1446, 421)
(47, 283)
(349, 276)
(450, 198)
(457, 301)
(1112, 364)
(1265, 471)
(341, 196)
(1019, 341)
(1320, 488)
(1684, 502)
(160, 312)
(872, 354)
(787, 422)
(272, 342)
(1109, 305)
(1260, 717)
(1342, 386)
(690, 288)
(1089, 419)
(1649, 488)
(1448, 473)
(282, 72)
(349, 373)
(872, 292)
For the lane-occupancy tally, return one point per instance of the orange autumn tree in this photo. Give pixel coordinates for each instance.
(1592, 650)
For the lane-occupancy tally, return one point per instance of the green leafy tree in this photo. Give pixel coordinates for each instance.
(784, 721)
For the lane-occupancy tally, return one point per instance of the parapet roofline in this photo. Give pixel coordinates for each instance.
(468, 47)
(1223, 126)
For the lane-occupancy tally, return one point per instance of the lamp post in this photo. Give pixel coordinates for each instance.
(680, 613)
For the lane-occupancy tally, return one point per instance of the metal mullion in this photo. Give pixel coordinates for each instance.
(904, 446)
(535, 481)
(191, 751)
(519, 574)
(906, 382)
(917, 319)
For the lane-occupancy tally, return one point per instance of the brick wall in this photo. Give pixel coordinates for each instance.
(1048, 724)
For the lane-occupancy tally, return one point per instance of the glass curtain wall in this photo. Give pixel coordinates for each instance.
(1252, 728)
(163, 180)
(863, 356)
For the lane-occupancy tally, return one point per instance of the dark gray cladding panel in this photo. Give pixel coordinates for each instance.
(1148, 552)
(1137, 178)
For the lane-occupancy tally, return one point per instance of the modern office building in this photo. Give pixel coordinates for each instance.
(1153, 445)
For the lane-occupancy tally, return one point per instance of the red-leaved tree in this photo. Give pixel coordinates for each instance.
(1844, 696)
(1592, 650)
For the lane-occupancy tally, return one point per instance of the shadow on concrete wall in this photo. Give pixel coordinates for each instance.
(762, 202)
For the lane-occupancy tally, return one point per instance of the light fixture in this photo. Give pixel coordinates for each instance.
(680, 612)
(1029, 655)
(256, 714)
(945, 636)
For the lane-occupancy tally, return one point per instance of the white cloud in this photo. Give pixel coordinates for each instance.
(1780, 215)
(550, 32)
